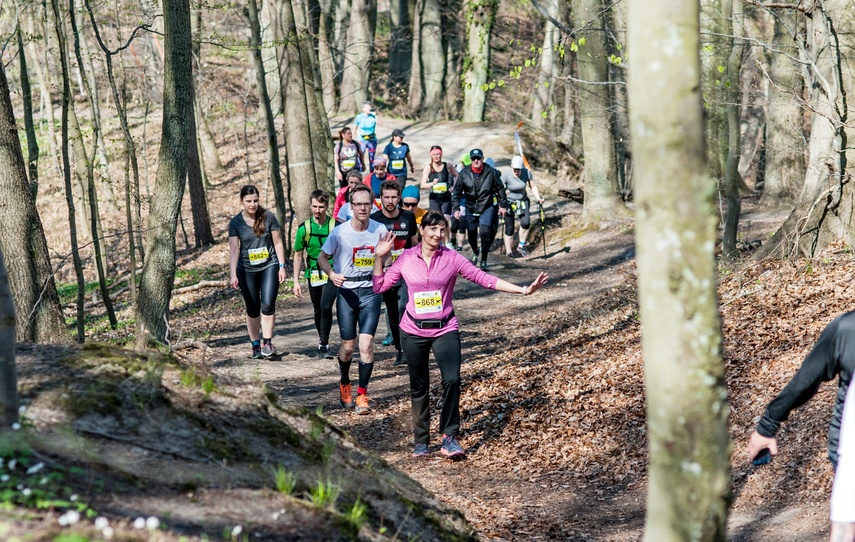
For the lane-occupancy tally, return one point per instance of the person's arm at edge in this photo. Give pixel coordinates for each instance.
(819, 366)
(298, 261)
(234, 254)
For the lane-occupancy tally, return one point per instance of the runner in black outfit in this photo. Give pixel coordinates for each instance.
(310, 238)
(832, 355)
(405, 233)
(438, 178)
(479, 184)
(255, 256)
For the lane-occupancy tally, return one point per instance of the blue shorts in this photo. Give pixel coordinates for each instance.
(357, 305)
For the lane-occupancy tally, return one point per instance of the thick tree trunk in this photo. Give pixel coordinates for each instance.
(732, 11)
(601, 190)
(66, 168)
(301, 164)
(22, 240)
(29, 125)
(273, 162)
(8, 376)
(357, 55)
(480, 15)
(785, 138)
(453, 51)
(158, 274)
(689, 474)
(824, 209)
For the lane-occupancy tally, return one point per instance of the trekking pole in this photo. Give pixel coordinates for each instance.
(542, 227)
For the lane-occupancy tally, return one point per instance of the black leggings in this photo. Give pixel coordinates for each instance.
(259, 290)
(523, 213)
(323, 299)
(446, 351)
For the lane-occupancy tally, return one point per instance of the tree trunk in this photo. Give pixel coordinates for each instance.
(689, 445)
(601, 190)
(732, 11)
(66, 169)
(45, 84)
(84, 59)
(273, 162)
(785, 138)
(202, 233)
(824, 209)
(357, 55)
(22, 240)
(453, 52)
(400, 43)
(29, 125)
(8, 376)
(480, 15)
(300, 159)
(158, 274)
(268, 54)
(428, 57)
(318, 120)
(326, 63)
(615, 19)
(545, 78)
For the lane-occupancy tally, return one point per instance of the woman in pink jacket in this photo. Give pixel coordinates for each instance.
(430, 271)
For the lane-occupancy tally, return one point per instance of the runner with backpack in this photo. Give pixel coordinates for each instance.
(348, 156)
(310, 237)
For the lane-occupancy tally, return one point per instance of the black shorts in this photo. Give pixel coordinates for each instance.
(440, 206)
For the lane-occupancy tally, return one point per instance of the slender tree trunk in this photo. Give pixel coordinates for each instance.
(268, 53)
(544, 88)
(131, 195)
(615, 19)
(357, 54)
(689, 473)
(45, 84)
(601, 190)
(158, 274)
(785, 138)
(29, 125)
(480, 15)
(326, 63)
(732, 11)
(66, 169)
(428, 57)
(400, 43)
(273, 161)
(22, 240)
(714, 61)
(8, 376)
(203, 236)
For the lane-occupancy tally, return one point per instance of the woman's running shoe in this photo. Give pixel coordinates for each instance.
(421, 450)
(451, 448)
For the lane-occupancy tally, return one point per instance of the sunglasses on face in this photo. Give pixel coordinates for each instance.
(409, 204)
(477, 159)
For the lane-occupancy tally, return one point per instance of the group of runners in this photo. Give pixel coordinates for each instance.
(378, 247)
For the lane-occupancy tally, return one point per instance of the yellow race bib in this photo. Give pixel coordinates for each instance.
(363, 259)
(348, 163)
(258, 256)
(318, 278)
(429, 302)
(440, 188)
(397, 164)
(396, 253)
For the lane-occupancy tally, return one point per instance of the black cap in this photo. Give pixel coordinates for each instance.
(397, 132)
(476, 153)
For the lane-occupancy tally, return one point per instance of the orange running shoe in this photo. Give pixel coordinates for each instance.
(346, 399)
(362, 404)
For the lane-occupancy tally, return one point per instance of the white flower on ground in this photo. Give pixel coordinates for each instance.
(69, 518)
(139, 523)
(152, 523)
(107, 532)
(237, 530)
(4, 478)
(73, 498)
(101, 523)
(22, 409)
(12, 464)
(16, 426)
(27, 492)
(35, 468)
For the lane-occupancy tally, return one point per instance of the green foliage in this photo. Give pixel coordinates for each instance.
(190, 379)
(326, 453)
(324, 493)
(30, 483)
(285, 480)
(357, 514)
(208, 386)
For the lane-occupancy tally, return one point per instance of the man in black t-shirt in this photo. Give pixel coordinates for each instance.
(403, 226)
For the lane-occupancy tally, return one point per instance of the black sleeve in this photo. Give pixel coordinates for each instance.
(821, 365)
(499, 190)
(457, 191)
